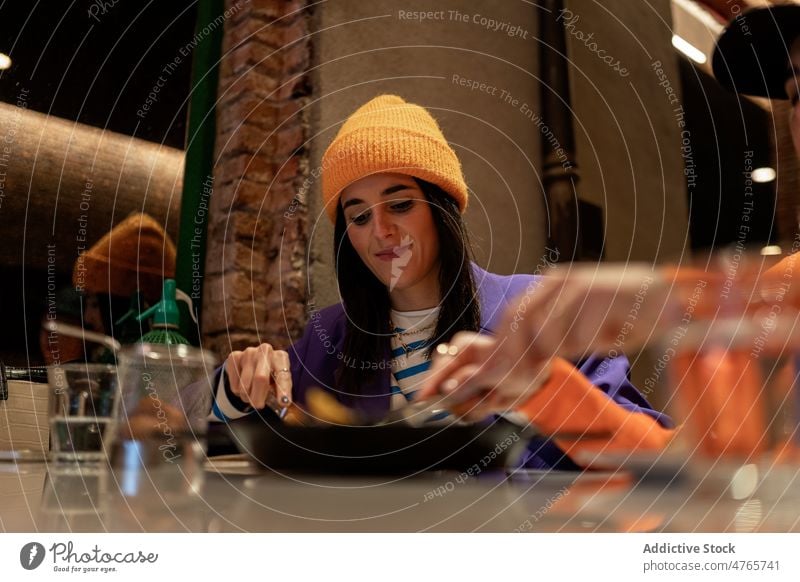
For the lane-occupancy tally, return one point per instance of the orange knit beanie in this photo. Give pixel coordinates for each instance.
(134, 255)
(388, 134)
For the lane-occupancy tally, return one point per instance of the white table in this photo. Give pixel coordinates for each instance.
(42, 497)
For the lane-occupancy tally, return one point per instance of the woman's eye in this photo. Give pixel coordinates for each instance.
(402, 206)
(360, 219)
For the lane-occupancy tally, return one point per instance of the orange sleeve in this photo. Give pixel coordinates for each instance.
(778, 281)
(569, 403)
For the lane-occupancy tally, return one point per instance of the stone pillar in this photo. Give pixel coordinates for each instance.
(255, 289)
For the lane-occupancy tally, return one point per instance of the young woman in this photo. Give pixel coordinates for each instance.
(393, 187)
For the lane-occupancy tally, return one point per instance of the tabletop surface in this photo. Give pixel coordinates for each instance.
(233, 495)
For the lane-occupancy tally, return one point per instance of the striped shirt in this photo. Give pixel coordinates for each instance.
(413, 331)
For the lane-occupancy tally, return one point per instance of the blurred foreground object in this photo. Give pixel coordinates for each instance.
(732, 359)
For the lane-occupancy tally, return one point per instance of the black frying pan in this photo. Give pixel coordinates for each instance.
(389, 449)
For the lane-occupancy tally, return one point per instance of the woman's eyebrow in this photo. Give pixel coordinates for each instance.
(352, 202)
(396, 188)
(386, 192)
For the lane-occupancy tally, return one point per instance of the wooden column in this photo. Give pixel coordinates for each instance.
(787, 184)
(560, 175)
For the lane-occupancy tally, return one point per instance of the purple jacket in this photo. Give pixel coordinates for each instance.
(317, 355)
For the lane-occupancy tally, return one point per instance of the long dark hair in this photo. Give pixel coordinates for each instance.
(366, 299)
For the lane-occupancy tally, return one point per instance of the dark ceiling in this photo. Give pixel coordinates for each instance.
(97, 61)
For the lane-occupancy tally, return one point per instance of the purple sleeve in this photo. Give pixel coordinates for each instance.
(612, 376)
(298, 358)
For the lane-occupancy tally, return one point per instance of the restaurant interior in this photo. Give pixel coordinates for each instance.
(164, 198)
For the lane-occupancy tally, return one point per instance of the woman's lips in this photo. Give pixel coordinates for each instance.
(393, 252)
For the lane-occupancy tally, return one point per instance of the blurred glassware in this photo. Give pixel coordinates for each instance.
(76, 497)
(166, 401)
(84, 399)
(731, 361)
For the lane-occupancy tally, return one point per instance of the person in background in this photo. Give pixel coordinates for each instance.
(136, 255)
(393, 187)
(758, 54)
(73, 308)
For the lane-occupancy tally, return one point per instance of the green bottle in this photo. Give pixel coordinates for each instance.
(166, 319)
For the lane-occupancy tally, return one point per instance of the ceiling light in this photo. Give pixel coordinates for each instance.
(688, 49)
(763, 175)
(770, 250)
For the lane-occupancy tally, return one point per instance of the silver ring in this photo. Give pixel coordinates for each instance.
(281, 371)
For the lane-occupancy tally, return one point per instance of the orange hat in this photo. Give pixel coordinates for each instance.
(389, 135)
(135, 254)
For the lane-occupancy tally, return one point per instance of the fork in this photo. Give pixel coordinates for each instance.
(414, 414)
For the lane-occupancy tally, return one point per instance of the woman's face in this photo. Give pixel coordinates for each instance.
(390, 225)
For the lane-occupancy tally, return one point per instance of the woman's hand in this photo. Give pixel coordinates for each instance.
(568, 314)
(476, 375)
(479, 377)
(577, 310)
(260, 376)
